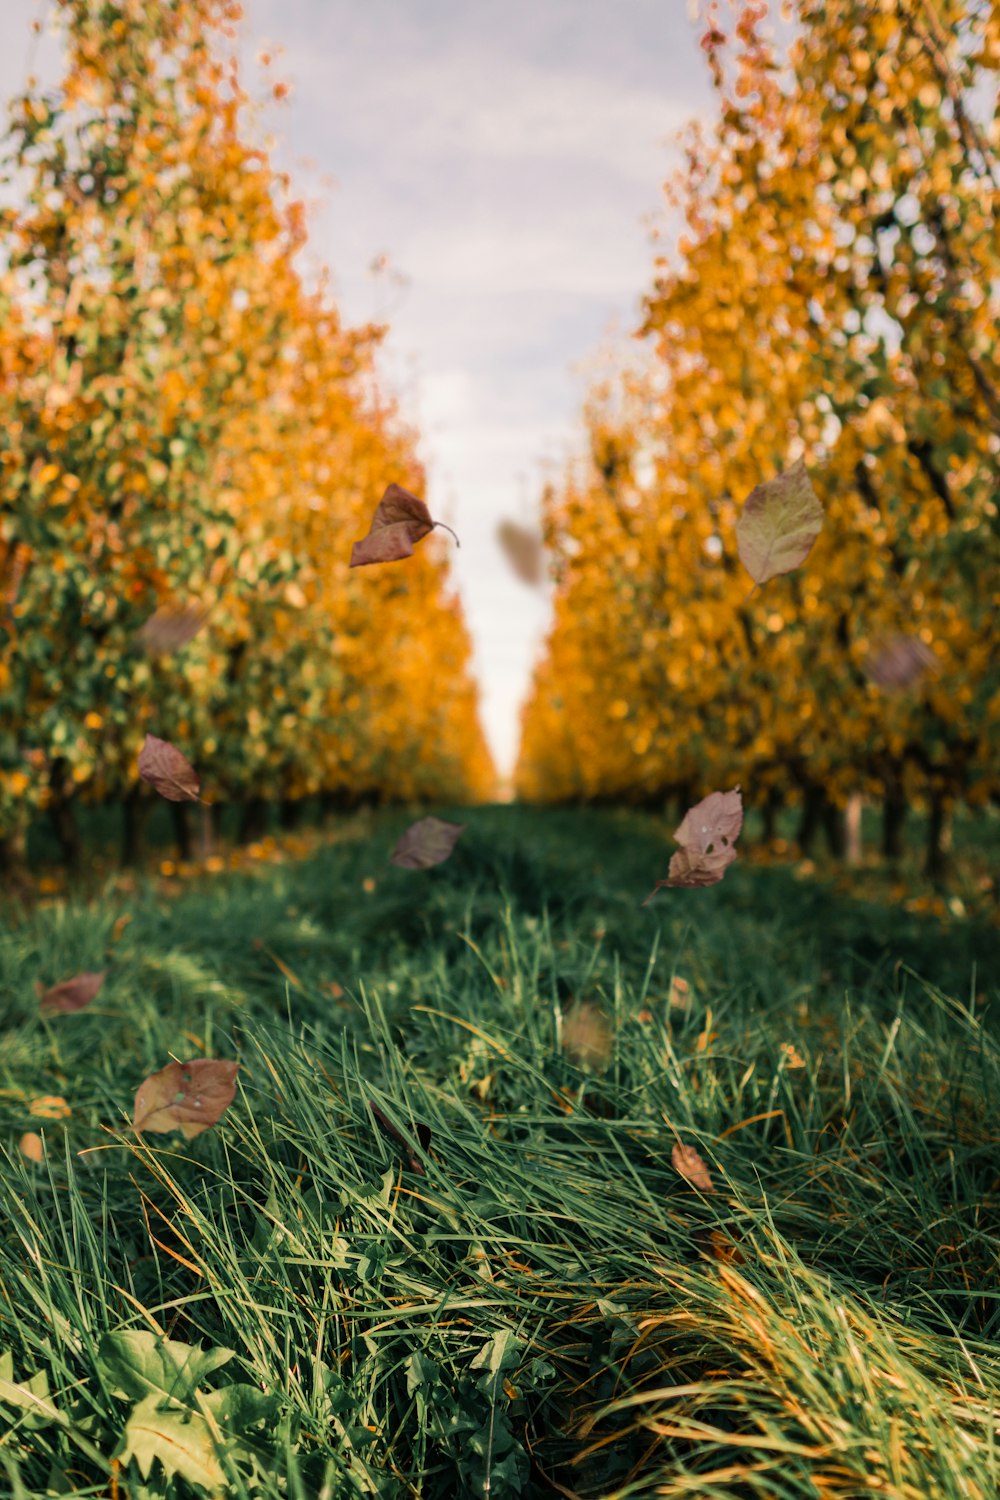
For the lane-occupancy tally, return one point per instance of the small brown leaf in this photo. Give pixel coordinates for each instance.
(389, 1130)
(168, 771)
(399, 522)
(190, 1097)
(707, 835)
(70, 994)
(899, 661)
(778, 524)
(587, 1037)
(690, 1165)
(169, 628)
(523, 550)
(426, 843)
(49, 1107)
(31, 1146)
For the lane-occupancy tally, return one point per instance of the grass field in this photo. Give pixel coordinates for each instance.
(295, 1304)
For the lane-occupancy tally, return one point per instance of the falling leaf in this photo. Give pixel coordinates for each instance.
(31, 1146)
(71, 994)
(389, 1130)
(168, 771)
(587, 1037)
(426, 843)
(523, 550)
(778, 524)
(190, 1097)
(900, 661)
(690, 1165)
(400, 520)
(707, 834)
(169, 628)
(680, 993)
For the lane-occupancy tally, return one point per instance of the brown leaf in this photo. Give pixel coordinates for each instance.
(389, 1130)
(899, 661)
(587, 1036)
(400, 521)
(426, 843)
(707, 835)
(169, 628)
(168, 771)
(778, 524)
(31, 1146)
(691, 1166)
(190, 1097)
(523, 550)
(70, 994)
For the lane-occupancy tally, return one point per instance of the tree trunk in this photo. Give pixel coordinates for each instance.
(290, 814)
(772, 807)
(852, 828)
(62, 816)
(14, 858)
(206, 828)
(893, 817)
(253, 821)
(834, 827)
(812, 817)
(179, 816)
(135, 811)
(938, 837)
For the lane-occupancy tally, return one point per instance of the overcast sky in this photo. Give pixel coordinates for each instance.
(506, 156)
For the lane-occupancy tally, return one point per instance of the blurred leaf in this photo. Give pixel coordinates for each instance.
(523, 549)
(691, 1166)
(425, 843)
(70, 994)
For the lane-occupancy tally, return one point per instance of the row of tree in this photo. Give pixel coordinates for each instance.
(186, 424)
(835, 296)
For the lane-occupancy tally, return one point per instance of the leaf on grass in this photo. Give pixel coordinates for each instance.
(899, 661)
(70, 994)
(691, 1166)
(426, 843)
(523, 550)
(778, 524)
(399, 522)
(31, 1146)
(587, 1037)
(391, 1133)
(190, 1097)
(168, 771)
(169, 628)
(707, 835)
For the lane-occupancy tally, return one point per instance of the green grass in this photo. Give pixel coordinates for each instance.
(548, 1308)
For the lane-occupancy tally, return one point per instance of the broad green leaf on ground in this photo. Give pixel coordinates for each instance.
(190, 1097)
(691, 1166)
(169, 628)
(523, 550)
(899, 662)
(69, 994)
(426, 843)
(399, 522)
(140, 1363)
(30, 1396)
(180, 1439)
(778, 524)
(707, 835)
(168, 771)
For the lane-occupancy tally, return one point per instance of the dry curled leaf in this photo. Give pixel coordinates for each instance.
(70, 994)
(388, 1129)
(190, 1097)
(426, 843)
(899, 661)
(523, 550)
(778, 524)
(399, 522)
(168, 771)
(169, 628)
(587, 1036)
(690, 1165)
(707, 835)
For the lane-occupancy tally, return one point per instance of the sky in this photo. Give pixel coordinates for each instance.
(503, 160)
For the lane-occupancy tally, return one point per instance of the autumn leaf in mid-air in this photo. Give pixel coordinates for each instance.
(426, 843)
(190, 1097)
(587, 1036)
(169, 628)
(691, 1166)
(778, 524)
(899, 662)
(523, 550)
(400, 520)
(70, 994)
(707, 835)
(168, 771)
